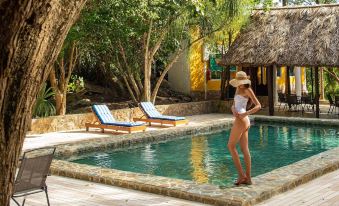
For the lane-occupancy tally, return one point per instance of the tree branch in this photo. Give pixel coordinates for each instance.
(163, 74)
(333, 74)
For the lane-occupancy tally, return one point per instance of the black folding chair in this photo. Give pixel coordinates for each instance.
(332, 104)
(307, 102)
(336, 103)
(293, 101)
(282, 100)
(32, 174)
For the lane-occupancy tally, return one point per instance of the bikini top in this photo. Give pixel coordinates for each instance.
(240, 103)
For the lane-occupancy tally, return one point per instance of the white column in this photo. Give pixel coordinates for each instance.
(297, 73)
(321, 77)
(304, 87)
(275, 88)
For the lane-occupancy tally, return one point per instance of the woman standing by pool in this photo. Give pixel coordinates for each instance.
(239, 131)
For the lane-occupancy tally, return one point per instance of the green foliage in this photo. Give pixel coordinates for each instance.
(105, 24)
(43, 105)
(112, 34)
(76, 84)
(331, 86)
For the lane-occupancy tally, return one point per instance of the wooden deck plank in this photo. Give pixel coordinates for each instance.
(321, 191)
(71, 192)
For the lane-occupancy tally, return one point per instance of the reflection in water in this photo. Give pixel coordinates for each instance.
(261, 135)
(148, 156)
(198, 153)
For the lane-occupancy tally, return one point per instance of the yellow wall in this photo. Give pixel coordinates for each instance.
(196, 64)
(214, 84)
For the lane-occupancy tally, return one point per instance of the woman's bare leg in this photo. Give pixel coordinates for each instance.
(247, 155)
(232, 142)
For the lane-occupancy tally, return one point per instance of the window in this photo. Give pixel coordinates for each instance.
(279, 72)
(215, 74)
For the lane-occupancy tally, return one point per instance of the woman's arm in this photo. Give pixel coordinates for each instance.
(254, 99)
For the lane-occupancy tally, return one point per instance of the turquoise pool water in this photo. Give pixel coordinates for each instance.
(205, 158)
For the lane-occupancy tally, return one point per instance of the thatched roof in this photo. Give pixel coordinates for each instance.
(290, 36)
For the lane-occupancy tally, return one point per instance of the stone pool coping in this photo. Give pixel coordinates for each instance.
(266, 185)
(297, 120)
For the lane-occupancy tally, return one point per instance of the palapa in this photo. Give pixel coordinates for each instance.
(288, 36)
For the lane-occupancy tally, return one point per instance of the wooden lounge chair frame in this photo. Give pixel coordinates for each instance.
(161, 121)
(98, 124)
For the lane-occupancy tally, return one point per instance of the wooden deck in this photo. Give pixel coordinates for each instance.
(323, 191)
(71, 192)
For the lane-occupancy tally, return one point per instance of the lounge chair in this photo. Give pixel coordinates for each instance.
(153, 116)
(32, 174)
(105, 120)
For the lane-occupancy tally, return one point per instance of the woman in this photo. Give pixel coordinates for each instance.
(239, 132)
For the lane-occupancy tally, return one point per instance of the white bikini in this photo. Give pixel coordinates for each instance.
(240, 104)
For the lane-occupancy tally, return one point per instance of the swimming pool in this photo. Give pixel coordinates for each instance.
(205, 159)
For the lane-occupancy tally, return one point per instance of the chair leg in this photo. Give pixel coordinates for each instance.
(47, 195)
(333, 109)
(285, 106)
(16, 202)
(23, 202)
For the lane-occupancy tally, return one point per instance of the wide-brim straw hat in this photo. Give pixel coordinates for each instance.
(240, 78)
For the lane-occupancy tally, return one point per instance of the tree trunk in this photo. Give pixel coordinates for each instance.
(225, 78)
(163, 74)
(129, 89)
(147, 65)
(60, 83)
(60, 93)
(60, 103)
(31, 38)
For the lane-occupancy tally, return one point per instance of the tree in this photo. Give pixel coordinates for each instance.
(238, 18)
(136, 35)
(30, 40)
(61, 74)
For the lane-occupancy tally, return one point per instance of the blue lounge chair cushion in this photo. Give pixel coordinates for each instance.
(153, 113)
(103, 114)
(105, 117)
(150, 109)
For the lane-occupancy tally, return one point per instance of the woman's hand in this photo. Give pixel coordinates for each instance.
(235, 114)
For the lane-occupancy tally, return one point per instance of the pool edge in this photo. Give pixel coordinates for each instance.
(267, 185)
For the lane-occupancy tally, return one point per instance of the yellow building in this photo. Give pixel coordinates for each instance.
(192, 75)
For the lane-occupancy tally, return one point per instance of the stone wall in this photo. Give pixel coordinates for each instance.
(77, 121)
